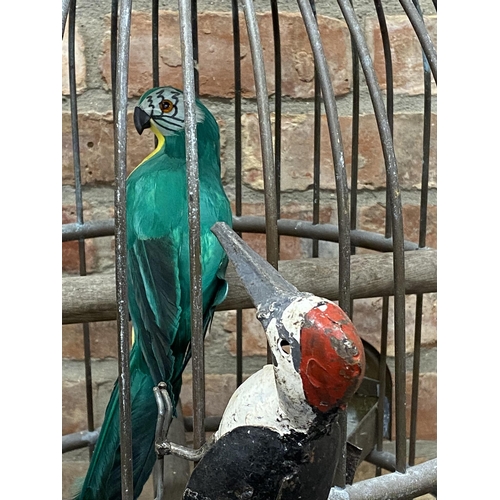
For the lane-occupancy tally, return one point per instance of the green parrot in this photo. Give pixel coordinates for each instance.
(159, 279)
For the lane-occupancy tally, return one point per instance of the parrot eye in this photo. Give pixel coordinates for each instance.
(166, 105)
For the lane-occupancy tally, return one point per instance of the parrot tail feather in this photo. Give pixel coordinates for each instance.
(103, 479)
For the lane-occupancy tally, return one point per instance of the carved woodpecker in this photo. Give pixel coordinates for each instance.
(279, 437)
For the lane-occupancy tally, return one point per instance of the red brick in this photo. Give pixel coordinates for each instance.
(80, 63)
(427, 407)
(103, 341)
(71, 472)
(290, 246)
(218, 391)
(216, 54)
(253, 339)
(70, 251)
(97, 147)
(372, 218)
(367, 318)
(297, 152)
(74, 412)
(406, 53)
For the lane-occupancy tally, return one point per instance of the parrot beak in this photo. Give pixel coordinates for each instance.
(141, 119)
(262, 281)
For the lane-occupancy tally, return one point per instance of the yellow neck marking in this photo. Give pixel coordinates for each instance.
(161, 141)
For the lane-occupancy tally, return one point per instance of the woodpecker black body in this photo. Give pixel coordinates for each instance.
(279, 437)
(252, 462)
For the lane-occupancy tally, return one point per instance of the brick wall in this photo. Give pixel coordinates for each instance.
(216, 87)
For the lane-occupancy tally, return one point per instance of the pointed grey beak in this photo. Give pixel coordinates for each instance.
(141, 119)
(262, 281)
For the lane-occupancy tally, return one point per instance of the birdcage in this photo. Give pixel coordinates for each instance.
(328, 117)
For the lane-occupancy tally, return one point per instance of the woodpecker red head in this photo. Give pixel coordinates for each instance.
(318, 356)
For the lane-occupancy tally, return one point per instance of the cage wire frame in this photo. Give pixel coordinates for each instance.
(410, 480)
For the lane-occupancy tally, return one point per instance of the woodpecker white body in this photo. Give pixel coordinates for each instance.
(279, 437)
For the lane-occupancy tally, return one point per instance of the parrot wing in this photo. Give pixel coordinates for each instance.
(156, 302)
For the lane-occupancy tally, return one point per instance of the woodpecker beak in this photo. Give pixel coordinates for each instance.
(262, 281)
(141, 119)
(324, 347)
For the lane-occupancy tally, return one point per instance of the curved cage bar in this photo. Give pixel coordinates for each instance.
(318, 217)
(265, 134)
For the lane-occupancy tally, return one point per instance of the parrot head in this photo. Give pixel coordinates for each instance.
(164, 108)
(318, 357)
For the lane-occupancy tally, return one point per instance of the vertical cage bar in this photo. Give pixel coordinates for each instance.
(355, 140)
(337, 152)
(354, 144)
(421, 243)
(237, 167)
(388, 230)
(316, 149)
(120, 131)
(316, 159)
(198, 361)
(265, 133)
(277, 108)
(79, 208)
(382, 376)
(155, 48)
(397, 224)
(194, 34)
(113, 47)
(155, 42)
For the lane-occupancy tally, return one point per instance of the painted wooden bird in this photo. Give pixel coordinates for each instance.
(280, 436)
(159, 278)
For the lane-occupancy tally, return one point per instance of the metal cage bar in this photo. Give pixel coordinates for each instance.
(423, 35)
(266, 139)
(155, 42)
(316, 149)
(337, 151)
(120, 142)
(277, 107)
(388, 227)
(272, 239)
(190, 81)
(255, 224)
(426, 138)
(397, 224)
(79, 207)
(237, 168)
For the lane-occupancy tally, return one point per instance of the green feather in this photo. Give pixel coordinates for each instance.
(159, 284)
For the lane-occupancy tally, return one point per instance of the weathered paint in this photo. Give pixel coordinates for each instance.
(332, 357)
(289, 387)
(255, 402)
